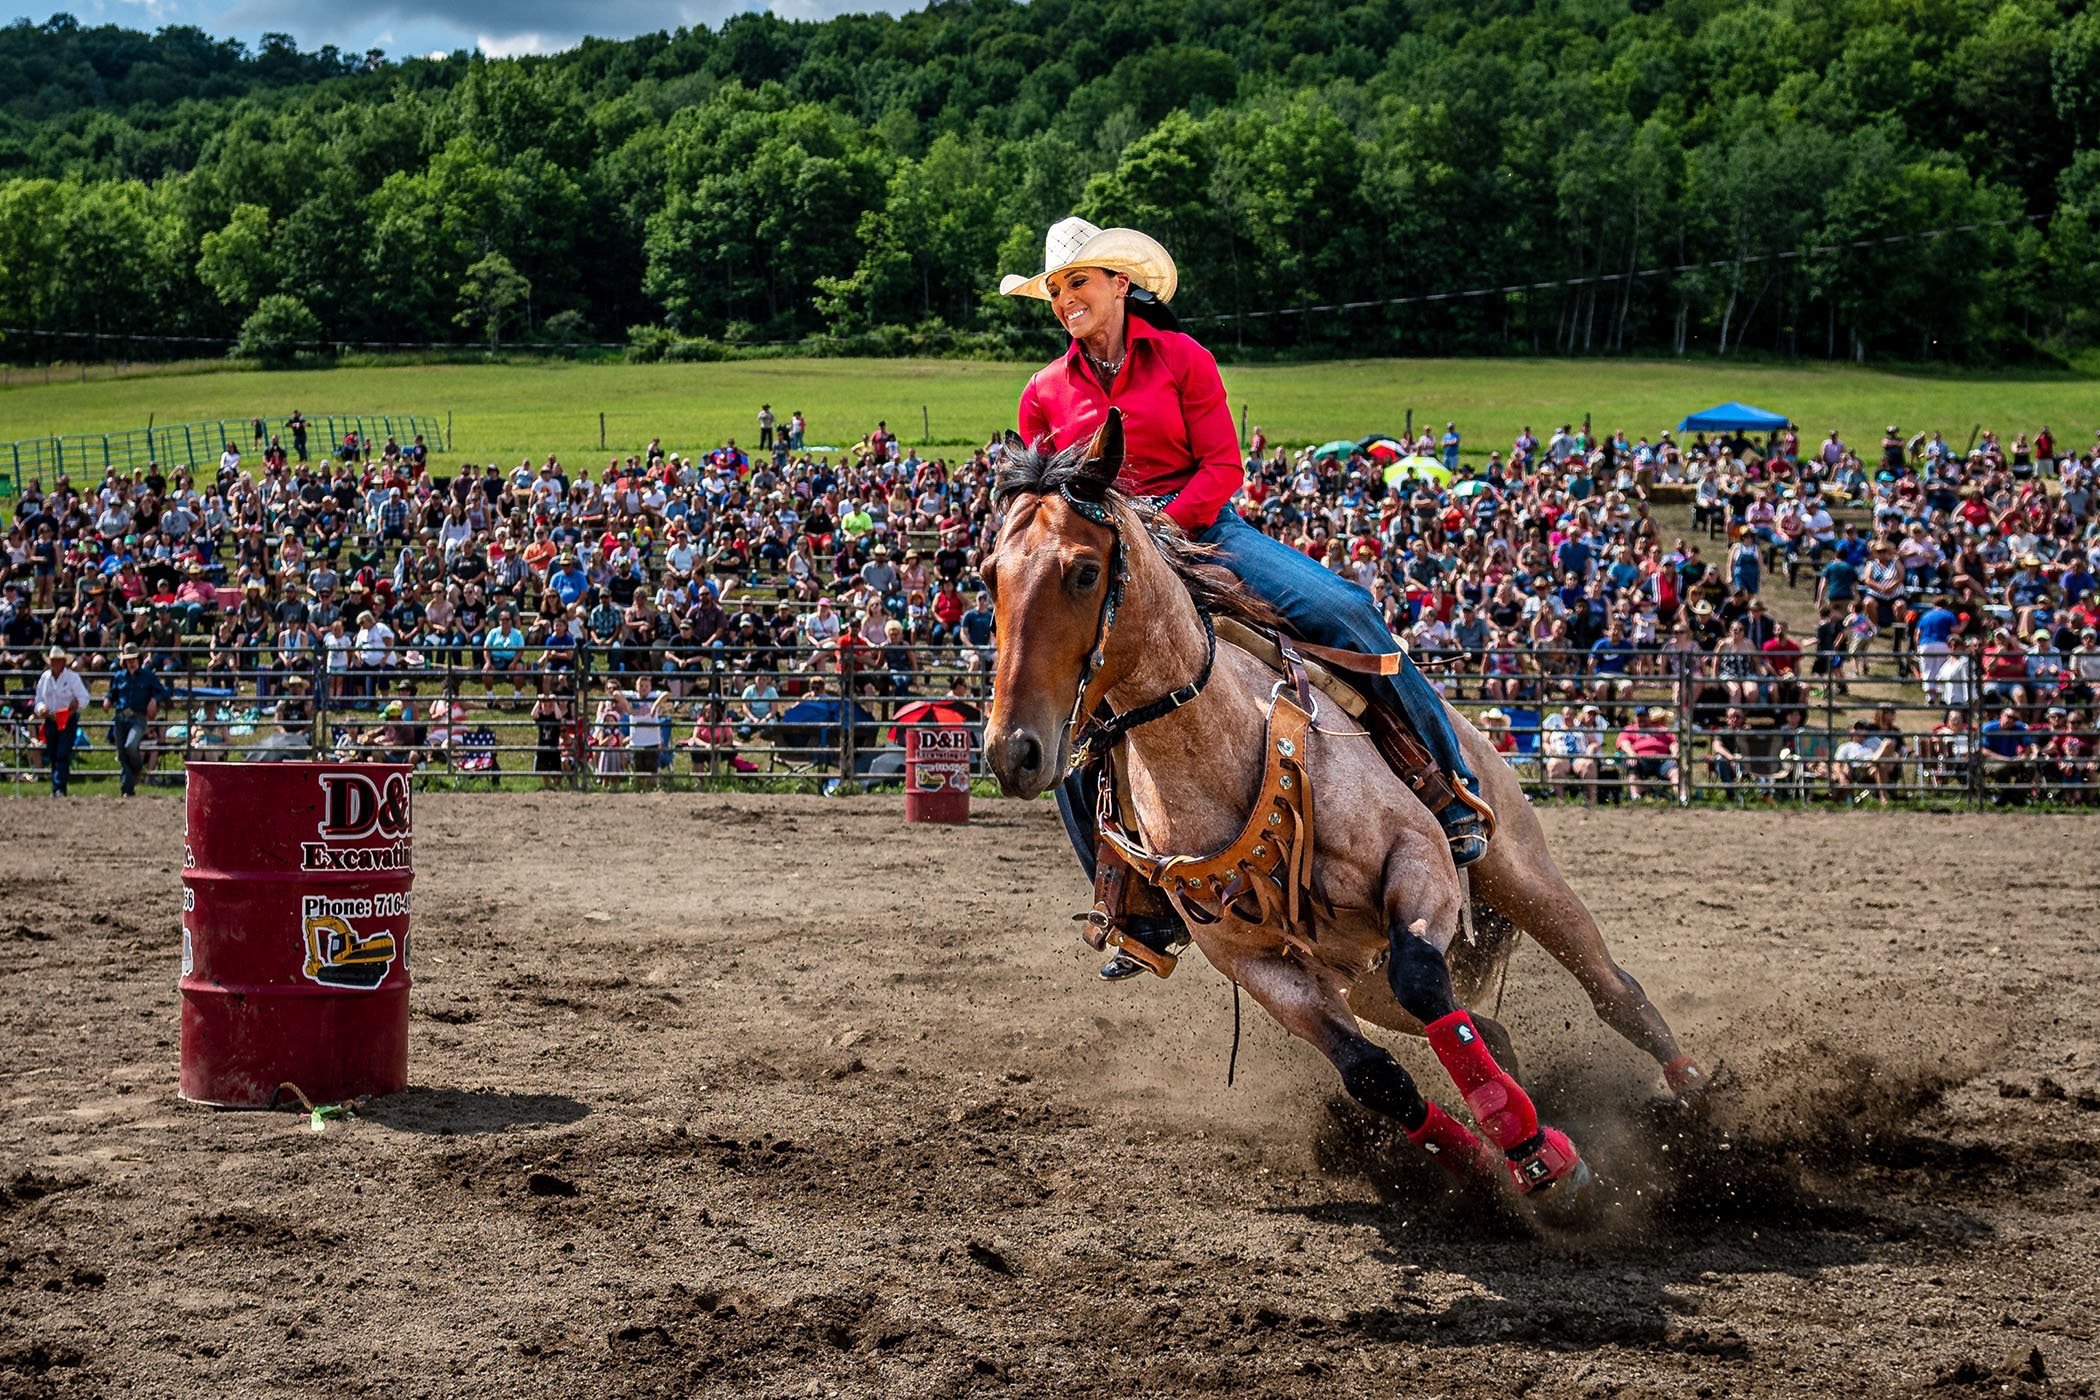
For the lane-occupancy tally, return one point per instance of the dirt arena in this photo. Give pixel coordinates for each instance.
(779, 1097)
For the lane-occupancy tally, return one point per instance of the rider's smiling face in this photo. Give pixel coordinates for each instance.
(1086, 300)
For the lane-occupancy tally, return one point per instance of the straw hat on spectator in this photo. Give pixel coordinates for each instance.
(1494, 716)
(128, 652)
(58, 654)
(1076, 243)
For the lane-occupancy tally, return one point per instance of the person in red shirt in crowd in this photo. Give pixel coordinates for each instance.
(1109, 289)
(1782, 652)
(1494, 727)
(1652, 746)
(947, 610)
(2005, 667)
(2066, 754)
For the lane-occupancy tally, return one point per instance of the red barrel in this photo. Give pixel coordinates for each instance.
(936, 773)
(295, 909)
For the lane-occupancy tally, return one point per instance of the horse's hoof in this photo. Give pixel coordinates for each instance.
(1688, 1080)
(1547, 1163)
(1565, 1202)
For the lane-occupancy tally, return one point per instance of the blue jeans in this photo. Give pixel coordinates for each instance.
(1326, 609)
(58, 751)
(127, 734)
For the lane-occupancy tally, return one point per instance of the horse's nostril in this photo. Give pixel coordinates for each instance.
(1028, 753)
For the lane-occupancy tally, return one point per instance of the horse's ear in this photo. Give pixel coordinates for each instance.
(1102, 461)
(1014, 443)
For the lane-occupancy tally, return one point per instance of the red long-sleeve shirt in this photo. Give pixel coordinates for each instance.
(1177, 427)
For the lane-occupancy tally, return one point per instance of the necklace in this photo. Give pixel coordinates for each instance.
(1106, 369)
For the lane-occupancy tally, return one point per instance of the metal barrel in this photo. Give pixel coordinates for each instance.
(936, 773)
(295, 931)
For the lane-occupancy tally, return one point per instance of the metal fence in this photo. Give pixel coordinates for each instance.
(195, 444)
(1671, 730)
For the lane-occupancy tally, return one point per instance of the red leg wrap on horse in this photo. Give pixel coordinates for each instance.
(1502, 1108)
(1457, 1149)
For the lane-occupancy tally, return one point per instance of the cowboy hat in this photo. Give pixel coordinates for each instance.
(1076, 243)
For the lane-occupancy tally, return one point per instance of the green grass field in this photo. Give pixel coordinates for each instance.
(504, 412)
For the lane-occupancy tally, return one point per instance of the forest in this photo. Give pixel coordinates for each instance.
(1903, 181)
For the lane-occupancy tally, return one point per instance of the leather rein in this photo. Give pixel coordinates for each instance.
(1093, 735)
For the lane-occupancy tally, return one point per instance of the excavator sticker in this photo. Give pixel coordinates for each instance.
(338, 954)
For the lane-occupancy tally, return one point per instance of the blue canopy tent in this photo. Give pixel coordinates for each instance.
(1733, 417)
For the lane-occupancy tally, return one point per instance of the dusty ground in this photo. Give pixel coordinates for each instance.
(776, 1096)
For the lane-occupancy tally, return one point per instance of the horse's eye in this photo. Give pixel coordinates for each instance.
(1086, 576)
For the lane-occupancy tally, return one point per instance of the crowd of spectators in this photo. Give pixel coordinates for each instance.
(673, 588)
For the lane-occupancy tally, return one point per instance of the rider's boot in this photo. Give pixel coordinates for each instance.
(1537, 1157)
(1464, 817)
(1145, 943)
(1465, 831)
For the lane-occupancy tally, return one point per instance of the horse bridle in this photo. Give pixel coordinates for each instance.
(1092, 735)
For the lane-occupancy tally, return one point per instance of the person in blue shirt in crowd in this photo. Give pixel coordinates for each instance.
(1611, 664)
(1574, 557)
(568, 580)
(1852, 549)
(2008, 748)
(504, 649)
(1839, 582)
(1934, 626)
(976, 629)
(1450, 446)
(135, 694)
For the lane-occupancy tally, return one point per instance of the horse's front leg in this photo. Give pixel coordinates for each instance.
(1307, 1006)
(1539, 1158)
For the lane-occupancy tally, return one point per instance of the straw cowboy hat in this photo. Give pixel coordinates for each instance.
(1077, 243)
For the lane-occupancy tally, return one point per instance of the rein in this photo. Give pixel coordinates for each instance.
(1102, 734)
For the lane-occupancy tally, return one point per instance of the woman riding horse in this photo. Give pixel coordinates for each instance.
(1109, 289)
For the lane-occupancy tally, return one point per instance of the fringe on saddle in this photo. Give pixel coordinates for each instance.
(1265, 874)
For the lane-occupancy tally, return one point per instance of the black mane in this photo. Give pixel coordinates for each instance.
(1025, 471)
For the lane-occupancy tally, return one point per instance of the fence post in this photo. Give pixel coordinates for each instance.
(1687, 736)
(322, 680)
(848, 704)
(1829, 728)
(1974, 706)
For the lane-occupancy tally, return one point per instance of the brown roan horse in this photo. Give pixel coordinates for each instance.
(1095, 598)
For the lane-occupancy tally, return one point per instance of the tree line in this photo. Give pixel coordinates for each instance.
(1816, 178)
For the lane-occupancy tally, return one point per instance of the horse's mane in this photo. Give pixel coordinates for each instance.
(1025, 471)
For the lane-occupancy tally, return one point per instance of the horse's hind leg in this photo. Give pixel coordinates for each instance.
(1520, 878)
(1319, 1015)
(1539, 1157)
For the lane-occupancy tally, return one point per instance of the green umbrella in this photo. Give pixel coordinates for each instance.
(1340, 447)
(1466, 490)
(1418, 469)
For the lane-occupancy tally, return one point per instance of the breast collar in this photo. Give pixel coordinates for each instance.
(1093, 734)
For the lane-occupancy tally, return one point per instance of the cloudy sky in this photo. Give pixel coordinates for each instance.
(439, 26)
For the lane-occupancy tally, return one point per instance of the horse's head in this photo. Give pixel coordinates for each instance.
(1051, 573)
